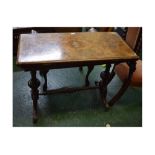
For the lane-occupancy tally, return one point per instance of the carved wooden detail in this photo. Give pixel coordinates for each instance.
(34, 83)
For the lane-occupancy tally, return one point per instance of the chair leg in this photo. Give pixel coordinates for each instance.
(132, 66)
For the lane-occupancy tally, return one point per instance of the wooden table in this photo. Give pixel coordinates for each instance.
(45, 51)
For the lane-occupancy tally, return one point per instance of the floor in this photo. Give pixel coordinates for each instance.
(80, 109)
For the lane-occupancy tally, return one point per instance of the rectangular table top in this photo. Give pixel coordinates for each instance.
(53, 48)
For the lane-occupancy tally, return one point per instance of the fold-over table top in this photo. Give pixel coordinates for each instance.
(53, 48)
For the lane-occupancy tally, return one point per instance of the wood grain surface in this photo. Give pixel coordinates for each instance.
(51, 48)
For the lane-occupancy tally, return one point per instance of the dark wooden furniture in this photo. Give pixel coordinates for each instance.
(45, 51)
(134, 40)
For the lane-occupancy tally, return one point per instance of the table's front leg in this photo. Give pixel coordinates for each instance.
(34, 83)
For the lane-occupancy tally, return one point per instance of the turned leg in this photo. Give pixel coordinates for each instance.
(132, 67)
(34, 83)
(90, 68)
(105, 76)
(111, 76)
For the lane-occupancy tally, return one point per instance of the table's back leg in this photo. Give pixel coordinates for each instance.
(80, 69)
(132, 67)
(45, 78)
(34, 83)
(105, 76)
(44, 74)
(90, 68)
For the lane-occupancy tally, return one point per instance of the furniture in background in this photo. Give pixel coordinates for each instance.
(121, 31)
(134, 40)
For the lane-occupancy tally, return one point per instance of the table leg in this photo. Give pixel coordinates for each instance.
(90, 68)
(45, 79)
(132, 67)
(80, 69)
(34, 83)
(106, 77)
(111, 76)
